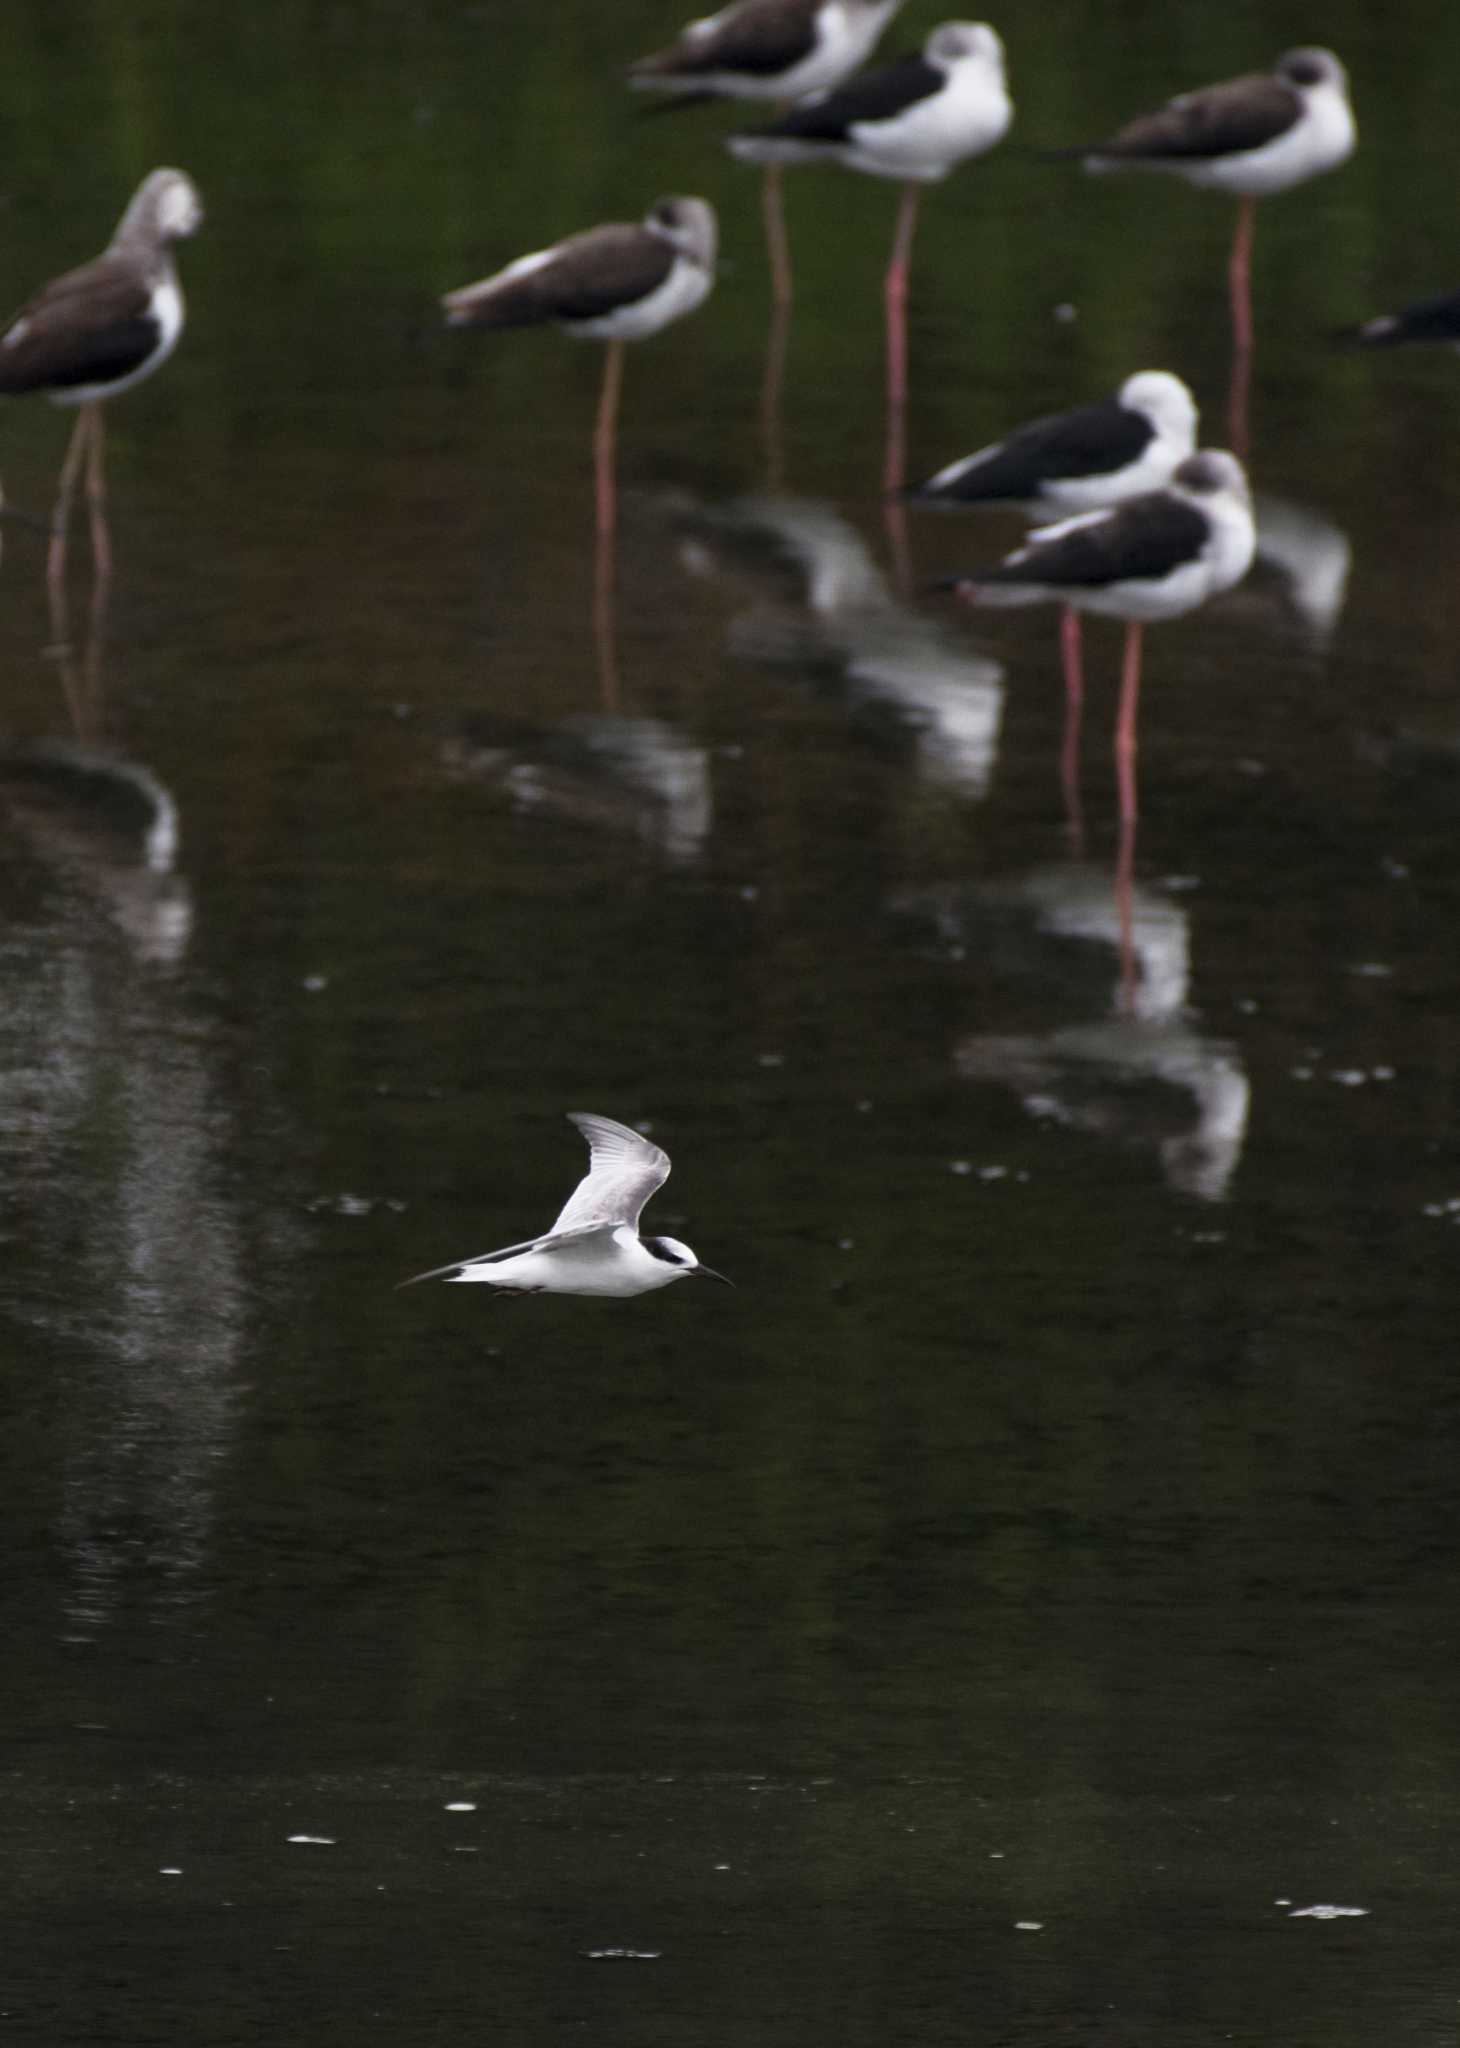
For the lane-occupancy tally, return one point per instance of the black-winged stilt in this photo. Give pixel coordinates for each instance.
(769, 50)
(1152, 558)
(98, 330)
(617, 283)
(1078, 461)
(912, 120)
(1250, 136)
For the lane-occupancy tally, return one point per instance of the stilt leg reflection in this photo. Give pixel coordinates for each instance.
(101, 540)
(61, 515)
(1125, 867)
(1072, 662)
(605, 618)
(81, 679)
(770, 395)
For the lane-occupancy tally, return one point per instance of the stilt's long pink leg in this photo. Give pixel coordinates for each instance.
(895, 295)
(605, 440)
(605, 444)
(777, 242)
(1125, 723)
(1239, 275)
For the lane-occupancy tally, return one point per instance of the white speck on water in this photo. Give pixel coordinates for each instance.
(960, 1166)
(325, 1841)
(1252, 767)
(1381, 1073)
(722, 1866)
(996, 1855)
(1209, 1237)
(313, 983)
(1247, 1005)
(845, 1244)
(170, 1870)
(1396, 870)
(1329, 1913)
(1180, 885)
(461, 1806)
(633, 1955)
(463, 1848)
(772, 1059)
(993, 1173)
(1371, 970)
(864, 1105)
(1282, 1902)
(1349, 1077)
(1065, 314)
(1029, 1926)
(750, 894)
(1301, 1073)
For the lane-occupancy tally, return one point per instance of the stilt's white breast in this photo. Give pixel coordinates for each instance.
(968, 116)
(165, 308)
(1321, 137)
(686, 286)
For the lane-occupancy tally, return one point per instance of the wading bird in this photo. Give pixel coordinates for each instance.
(1249, 136)
(913, 120)
(1152, 558)
(776, 50)
(1077, 461)
(96, 331)
(612, 284)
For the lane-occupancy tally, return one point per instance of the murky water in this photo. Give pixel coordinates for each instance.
(1033, 1590)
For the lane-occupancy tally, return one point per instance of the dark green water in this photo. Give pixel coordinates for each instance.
(1058, 1524)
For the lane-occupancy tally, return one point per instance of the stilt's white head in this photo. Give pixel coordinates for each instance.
(164, 208)
(690, 224)
(963, 42)
(1166, 402)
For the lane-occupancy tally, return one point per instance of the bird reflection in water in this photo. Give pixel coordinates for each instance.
(845, 617)
(113, 1121)
(1304, 560)
(631, 777)
(1138, 1071)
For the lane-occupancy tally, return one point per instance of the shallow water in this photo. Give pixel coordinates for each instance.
(1003, 1616)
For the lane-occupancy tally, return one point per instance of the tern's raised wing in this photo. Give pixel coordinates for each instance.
(624, 1171)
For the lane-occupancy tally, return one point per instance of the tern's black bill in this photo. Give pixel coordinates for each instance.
(709, 1273)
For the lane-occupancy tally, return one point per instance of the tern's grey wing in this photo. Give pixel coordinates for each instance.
(548, 1243)
(625, 1169)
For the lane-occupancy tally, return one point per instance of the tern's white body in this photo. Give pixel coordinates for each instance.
(594, 1247)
